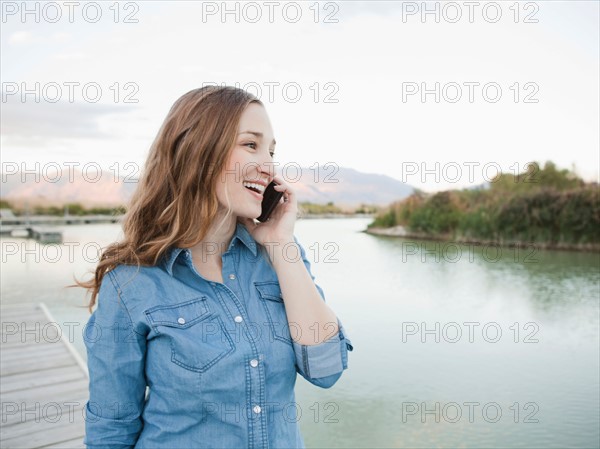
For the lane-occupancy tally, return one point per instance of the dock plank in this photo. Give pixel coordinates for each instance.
(55, 433)
(15, 414)
(43, 381)
(16, 354)
(33, 379)
(72, 444)
(36, 365)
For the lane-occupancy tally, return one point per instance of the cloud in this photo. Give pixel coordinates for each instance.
(27, 123)
(362, 60)
(21, 37)
(61, 37)
(71, 56)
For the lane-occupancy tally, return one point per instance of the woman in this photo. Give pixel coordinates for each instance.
(205, 316)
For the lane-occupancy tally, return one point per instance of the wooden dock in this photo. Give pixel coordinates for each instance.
(43, 381)
(41, 234)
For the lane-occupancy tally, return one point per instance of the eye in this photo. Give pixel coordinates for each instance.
(251, 143)
(272, 153)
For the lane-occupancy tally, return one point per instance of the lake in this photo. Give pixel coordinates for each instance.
(454, 346)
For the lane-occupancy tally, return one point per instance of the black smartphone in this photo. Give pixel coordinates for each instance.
(270, 200)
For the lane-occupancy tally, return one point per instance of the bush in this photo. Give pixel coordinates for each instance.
(540, 206)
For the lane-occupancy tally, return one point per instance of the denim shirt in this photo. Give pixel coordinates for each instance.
(179, 361)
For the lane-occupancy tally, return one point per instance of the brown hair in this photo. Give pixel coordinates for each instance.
(175, 200)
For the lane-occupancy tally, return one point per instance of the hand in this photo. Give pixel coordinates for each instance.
(280, 225)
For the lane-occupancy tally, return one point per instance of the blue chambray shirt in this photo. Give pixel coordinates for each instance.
(179, 361)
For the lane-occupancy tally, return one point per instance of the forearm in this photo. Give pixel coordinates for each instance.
(310, 319)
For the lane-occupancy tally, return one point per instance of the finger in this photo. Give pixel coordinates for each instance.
(289, 194)
(280, 181)
(284, 188)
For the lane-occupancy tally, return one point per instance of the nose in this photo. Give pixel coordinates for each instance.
(266, 169)
(257, 171)
(269, 170)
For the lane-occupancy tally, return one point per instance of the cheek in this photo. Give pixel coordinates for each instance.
(242, 161)
(237, 156)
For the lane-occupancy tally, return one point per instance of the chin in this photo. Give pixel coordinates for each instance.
(250, 214)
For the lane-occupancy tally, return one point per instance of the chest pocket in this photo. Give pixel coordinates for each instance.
(197, 336)
(269, 293)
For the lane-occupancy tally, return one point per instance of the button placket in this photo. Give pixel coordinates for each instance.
(253, 360)
(229, 269)
(257, 396)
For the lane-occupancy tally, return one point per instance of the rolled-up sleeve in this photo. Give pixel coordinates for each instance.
(322, 364)
(117, 385)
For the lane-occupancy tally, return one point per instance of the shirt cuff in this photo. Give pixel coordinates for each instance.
(326, 358)
(103, 433)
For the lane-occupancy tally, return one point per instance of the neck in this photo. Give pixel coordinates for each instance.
(217, 240)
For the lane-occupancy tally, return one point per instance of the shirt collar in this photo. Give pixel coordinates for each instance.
(241, 233)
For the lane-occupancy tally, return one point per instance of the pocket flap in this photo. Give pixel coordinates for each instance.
(269, 290)
(180, 315)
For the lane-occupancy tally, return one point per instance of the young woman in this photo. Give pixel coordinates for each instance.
(204, 316)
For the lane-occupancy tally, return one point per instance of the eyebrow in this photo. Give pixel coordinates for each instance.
(257, 134)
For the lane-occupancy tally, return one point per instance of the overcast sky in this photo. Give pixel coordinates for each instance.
(515, 82)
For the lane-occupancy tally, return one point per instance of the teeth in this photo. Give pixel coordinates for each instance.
(258, 187)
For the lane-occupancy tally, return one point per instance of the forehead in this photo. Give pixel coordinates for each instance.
(255, 118)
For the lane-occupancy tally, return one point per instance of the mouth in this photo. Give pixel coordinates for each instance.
(254, 187)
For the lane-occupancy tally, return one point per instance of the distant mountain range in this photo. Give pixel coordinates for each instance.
(345, 187)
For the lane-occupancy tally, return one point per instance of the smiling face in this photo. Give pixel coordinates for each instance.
(250, 167)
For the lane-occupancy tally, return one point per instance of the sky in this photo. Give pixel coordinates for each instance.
(439, 95)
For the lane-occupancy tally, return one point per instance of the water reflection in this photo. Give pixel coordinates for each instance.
(424, 324)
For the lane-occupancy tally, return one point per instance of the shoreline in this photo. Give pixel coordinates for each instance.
(400, 231)
(336, 215)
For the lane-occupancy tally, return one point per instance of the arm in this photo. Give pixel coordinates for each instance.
(116, 359)
(318, 338)
(320, 342)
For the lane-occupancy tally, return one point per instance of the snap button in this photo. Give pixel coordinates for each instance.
(254, 363)
(256, 409)
(232, 276)
(238, 319)
(181, 321)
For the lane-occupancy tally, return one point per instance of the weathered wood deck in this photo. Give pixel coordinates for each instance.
(43, 381)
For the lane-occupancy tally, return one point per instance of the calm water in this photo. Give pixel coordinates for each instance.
(454, 346)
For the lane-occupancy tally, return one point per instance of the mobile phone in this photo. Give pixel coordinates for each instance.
(270, 200)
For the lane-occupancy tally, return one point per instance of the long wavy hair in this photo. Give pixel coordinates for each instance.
(175, 201)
